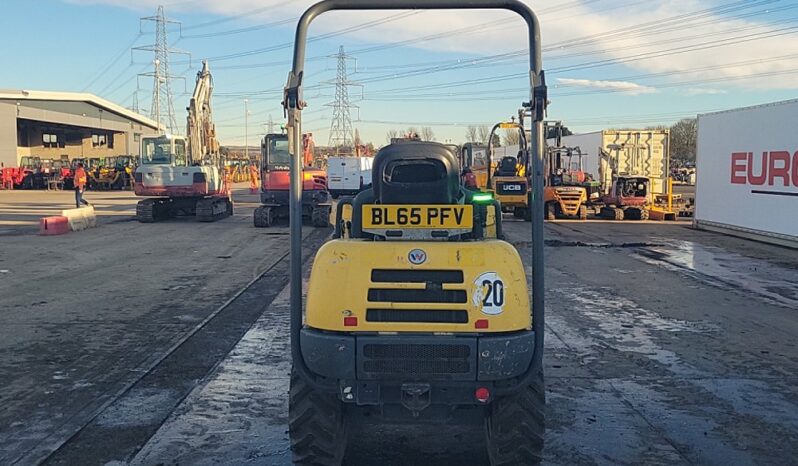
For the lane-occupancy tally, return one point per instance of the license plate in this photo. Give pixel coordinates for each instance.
(446, 217)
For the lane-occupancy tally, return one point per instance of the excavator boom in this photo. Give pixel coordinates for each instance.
(200, 130)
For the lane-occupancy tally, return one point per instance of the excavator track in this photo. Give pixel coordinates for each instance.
(152, 210)
(213, 209)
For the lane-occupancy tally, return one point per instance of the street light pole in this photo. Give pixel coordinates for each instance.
(246, 129)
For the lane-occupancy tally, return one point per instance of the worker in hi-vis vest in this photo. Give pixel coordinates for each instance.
(80, 185)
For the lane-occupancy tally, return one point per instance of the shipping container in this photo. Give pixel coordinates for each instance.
(624, 152)
(747, 167)
(348, 175)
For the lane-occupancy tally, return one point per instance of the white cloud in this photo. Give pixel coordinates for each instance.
(622, 86)
(705, 91)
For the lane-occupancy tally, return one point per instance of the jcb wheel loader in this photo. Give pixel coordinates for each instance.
(416, 310)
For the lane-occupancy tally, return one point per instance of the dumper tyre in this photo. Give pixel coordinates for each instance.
(316, 425)
(515, 426)
(321, 216)
(551, 211)
(262, 217)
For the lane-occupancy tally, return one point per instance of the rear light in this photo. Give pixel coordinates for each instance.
(482, 394)
(350, 321)
(482, 323)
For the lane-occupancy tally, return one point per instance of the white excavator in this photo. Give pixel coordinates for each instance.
(185, 175)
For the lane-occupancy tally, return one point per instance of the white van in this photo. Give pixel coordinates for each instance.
(348, 175)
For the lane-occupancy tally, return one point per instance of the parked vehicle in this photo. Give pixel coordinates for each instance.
(348, 175)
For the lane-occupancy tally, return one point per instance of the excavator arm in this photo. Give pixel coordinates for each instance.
(201, 132)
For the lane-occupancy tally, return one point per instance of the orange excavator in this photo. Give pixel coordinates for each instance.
(275, 177)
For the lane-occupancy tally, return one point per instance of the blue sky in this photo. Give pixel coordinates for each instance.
(612, 63)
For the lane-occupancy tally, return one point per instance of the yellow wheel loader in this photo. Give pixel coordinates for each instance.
(416, 310)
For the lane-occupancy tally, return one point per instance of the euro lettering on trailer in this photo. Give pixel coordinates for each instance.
(488, 293)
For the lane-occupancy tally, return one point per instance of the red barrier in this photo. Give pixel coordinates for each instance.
(50, 226)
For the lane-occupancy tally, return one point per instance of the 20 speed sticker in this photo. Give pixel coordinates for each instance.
(489, 293)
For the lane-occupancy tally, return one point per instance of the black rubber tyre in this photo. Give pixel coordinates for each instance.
(316, 425)
(515, 426)
(582, 212)
(551, 211)
(262, 217)
(519, 212)
(321, 216)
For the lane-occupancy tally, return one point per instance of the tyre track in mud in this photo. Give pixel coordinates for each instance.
(637, 375)
(123, 425)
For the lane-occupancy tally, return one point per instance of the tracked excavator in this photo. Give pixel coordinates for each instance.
(275, 181)
(185, 175)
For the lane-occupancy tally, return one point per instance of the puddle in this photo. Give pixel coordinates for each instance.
(773, 282)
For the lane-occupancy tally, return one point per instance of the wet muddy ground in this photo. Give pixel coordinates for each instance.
(664, 345)
(654, 356)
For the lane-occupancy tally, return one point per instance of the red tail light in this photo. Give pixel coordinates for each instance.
(482, 394)
(482, 323)
(350, 321)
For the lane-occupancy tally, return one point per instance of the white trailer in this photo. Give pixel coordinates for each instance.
(747, 167)
(624, 152)
(348, 175)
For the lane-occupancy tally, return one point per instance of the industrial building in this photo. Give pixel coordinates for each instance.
(51, 125)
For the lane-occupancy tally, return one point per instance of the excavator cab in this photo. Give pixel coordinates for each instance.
(416, 310)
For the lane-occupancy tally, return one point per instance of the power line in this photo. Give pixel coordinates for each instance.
(113, 61)
(235, 17)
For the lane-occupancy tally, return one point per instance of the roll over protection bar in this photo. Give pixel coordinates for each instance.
(293, 104)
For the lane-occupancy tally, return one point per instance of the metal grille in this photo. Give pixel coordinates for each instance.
(409, 360)
(421, 315)
(416, 276)
(416, 296)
